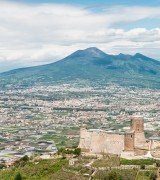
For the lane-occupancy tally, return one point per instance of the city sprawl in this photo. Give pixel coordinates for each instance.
(41, 118)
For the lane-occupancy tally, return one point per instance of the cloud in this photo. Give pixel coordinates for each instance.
(37, 34)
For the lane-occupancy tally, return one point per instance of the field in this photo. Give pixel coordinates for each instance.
(116, 175)
(109, 161)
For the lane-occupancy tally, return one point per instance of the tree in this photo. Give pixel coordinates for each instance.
(142, 166)
(18, 177)
(2, 166)
(153, 176)
(77, 151)
(158, 164)
(22, 162)
(61, 150)
(113, 176)
(25, 158)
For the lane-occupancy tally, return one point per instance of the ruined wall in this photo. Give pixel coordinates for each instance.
(98, 142)
(101, 142)
(140, 141)
(140, 152)
(85, 139)
(137, 124)
(129, 141)
(155, 148)
(155, 144)
(114, 144)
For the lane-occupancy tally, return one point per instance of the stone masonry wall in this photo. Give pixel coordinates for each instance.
(85, 139)
(129, 141)
(101, 142)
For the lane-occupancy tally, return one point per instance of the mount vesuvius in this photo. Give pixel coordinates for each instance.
(92, 65)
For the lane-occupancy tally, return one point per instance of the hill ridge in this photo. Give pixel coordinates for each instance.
(93, 65)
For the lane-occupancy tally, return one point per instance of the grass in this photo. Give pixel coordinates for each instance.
(145, 175)
(116, 175)
(59, 169)
(61, 175)
(138, 161)
(109, 161)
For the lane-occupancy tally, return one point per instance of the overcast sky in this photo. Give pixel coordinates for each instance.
(34, 32)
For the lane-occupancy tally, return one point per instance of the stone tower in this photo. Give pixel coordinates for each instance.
(137, 126)
(129, 141)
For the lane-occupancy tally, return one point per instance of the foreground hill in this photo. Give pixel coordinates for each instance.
(92, 65)
(84, 168)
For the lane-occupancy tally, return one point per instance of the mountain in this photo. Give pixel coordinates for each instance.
(92, 65)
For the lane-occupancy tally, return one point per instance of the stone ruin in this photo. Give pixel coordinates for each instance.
(130, 144)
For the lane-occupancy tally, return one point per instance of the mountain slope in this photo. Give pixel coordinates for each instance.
(91, 64)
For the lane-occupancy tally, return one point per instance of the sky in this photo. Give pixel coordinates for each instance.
(35, 32)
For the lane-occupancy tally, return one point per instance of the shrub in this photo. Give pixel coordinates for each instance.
(22, 162)
(158, 164)
(18, 177)
(2, 166)
(113, 176)
(77, 151)
(153, 176)
(147, 173)
(61, 150)
(64, 151)
(142, 166)
(24, 158)
(139, 161)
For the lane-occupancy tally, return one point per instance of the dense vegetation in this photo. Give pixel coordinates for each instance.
(60, 169)
(76, 151)
(42, 169)
(140, 162)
